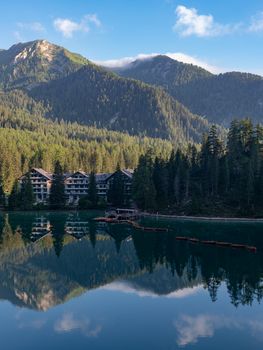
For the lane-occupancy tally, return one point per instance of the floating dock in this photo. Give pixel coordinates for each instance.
(132, 223)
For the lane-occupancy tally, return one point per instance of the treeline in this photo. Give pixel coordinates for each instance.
(239, 272)
(28, 140)
(219, 179)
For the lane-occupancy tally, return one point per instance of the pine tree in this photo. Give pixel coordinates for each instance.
(14, 200)
(57, 199)
(215, 153)
(161, 182)
(2, 194)
(27, 195)
(58, 243)
(92, 190)
(144, 192)
(116, 194)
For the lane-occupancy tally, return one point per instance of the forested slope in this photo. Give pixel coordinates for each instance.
(219, 98)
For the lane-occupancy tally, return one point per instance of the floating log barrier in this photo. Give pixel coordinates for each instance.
(209, 242)
(224, 244)
(219, 244)
(194, 240)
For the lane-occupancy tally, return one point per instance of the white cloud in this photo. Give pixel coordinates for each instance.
(68, 27)
(32, 26)
(69, 323)
(18, 36)
(178, 56)
(125, 61)
(129, 288)
(26, 27)
(256, 23)
(185, 292)
(190, 22)
(93, 19)
(181, 57)
(190, 328)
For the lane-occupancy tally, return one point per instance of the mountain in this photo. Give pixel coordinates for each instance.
(224, 97)
(94, 96)
(163, 71)
(68, 87)
(219, 98)
(26, 64)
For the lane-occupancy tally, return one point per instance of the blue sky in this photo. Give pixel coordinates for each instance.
(220, 35)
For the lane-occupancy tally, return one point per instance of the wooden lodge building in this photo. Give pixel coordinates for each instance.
(76, 184)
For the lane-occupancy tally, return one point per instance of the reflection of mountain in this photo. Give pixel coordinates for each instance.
(57, 267)
(162, 282)
(33, 275)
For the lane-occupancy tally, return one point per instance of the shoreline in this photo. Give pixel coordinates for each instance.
(145, 214)
(201, 218)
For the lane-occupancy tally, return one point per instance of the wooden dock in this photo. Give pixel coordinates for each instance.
(132, 223)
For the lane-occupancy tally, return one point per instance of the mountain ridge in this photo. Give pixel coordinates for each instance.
(69, 87)
(219, 98)
(119, 104)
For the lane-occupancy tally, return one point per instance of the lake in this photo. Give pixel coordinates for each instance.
(68, 282)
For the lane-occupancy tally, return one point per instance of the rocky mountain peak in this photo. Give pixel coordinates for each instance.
(35, 49)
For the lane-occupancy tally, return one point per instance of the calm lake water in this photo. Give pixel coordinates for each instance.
(67, 282)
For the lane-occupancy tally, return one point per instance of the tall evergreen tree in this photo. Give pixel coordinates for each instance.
(14, 200)
(161, 182)
(92, 190)
(2, 194)
(144, 192)
(57, 198)
(27, 195)
(116, 194)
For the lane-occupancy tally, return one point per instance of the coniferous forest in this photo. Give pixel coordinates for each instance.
(84, 117)
(29, 140)
(220, 178)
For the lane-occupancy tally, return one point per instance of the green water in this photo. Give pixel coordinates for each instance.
(68, 282)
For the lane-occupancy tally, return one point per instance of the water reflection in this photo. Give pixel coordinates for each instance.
(49, 258)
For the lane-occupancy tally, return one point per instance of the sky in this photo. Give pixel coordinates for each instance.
(219, 35)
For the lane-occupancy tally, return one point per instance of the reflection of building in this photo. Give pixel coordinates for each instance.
(40, 228)
(77, 228)
(76, 184)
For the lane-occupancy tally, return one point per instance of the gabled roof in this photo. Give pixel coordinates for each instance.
(128, 172)
(76, 172)
(43, 172)
(102, 177)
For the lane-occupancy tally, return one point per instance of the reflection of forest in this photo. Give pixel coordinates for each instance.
(48, 259)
